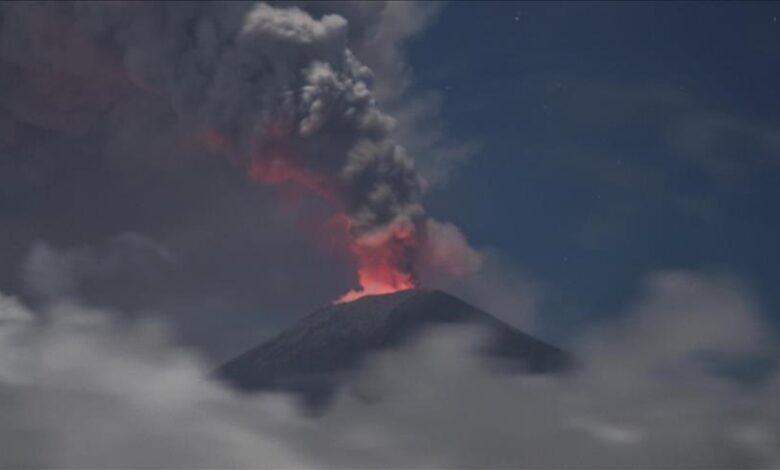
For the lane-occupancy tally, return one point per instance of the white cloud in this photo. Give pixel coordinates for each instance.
(49, 272)
(11, 310)
(107, 394)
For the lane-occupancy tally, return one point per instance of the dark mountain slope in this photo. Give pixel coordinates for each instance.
(315, 355)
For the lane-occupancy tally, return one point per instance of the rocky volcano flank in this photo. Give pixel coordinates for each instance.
(318, 353)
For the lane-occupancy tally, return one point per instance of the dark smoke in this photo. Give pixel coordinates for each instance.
(279, 85)
(274, 88)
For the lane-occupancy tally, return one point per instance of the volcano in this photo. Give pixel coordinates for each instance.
(319, 353)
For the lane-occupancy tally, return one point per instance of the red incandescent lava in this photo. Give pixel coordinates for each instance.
(383, 258)
(381, 261)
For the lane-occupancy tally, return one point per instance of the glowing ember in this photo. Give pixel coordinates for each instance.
(383, 262)
(376, 280)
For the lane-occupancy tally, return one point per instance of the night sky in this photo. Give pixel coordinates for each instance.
(614, 139)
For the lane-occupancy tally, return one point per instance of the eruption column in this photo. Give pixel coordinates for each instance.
(279, 92)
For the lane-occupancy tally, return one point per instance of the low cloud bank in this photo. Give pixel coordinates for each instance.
(82, 388)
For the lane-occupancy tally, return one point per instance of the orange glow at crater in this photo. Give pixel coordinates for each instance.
(375, 281)
(383, 263)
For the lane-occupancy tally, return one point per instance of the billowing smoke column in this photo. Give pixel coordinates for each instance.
(279, 92)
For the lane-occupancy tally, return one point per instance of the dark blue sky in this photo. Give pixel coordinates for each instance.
(615, 139)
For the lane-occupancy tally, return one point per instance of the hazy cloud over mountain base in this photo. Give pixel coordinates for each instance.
(81, 388)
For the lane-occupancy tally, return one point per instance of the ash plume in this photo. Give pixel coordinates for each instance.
(273, 88)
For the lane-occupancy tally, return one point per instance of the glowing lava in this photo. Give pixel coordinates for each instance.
(384, 262)
(376, 280)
